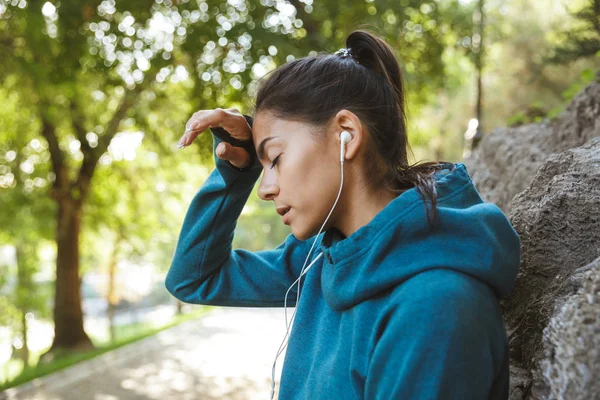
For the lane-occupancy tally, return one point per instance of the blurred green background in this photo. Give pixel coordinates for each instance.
(94, 96)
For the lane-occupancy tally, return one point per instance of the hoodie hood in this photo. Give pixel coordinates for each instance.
(470, 236)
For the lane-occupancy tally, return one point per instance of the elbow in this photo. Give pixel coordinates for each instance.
(184, 287)
(170, 286)
(174, 286)
(185, 282)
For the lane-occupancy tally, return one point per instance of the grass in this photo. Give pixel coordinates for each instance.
(127, 334)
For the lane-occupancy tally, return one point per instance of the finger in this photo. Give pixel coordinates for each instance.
(203, 119)
(235, 123)
(235, 155)
(188, 137)
(186, 140)
(194, 127)
(229, 119)
(198, 123)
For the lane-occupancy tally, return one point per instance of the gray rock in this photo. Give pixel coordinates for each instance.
(507, 159)
(546, 176)
(520, 382)
(558, 220)
(571, 364)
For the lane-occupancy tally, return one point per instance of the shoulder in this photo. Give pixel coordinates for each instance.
(437, 284)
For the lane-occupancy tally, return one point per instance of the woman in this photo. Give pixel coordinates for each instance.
(401, 296)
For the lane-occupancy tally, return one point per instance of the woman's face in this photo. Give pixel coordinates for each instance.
(306, 175)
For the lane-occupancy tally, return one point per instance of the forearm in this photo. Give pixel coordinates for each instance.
(206, 270)
(205, 239)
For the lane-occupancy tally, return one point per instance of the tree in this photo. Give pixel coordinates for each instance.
(25, 217)
(56, 66)
(583, 40)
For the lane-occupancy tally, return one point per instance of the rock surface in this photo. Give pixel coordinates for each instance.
(546, 177)
(571, 364)
(507, 159)
(558, 220)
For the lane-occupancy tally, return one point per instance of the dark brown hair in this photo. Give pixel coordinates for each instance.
(367, 83)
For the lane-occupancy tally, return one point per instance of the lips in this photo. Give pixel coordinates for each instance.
(282, 210)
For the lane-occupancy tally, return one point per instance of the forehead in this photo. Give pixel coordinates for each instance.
(267, 124)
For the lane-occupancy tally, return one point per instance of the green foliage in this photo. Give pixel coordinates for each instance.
(587, 76)
(518, 119)
(582, 39)
(10, 315)
(533, 113)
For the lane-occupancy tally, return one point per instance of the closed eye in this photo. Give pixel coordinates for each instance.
(275, 161)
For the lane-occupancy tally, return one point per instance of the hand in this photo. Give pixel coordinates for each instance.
(229, 119)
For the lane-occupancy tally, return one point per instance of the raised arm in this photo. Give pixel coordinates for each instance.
(206, 270)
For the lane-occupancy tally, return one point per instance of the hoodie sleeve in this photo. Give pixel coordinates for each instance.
(447, 345)
(205, 269)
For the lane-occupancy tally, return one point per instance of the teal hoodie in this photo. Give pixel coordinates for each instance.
(395, 311)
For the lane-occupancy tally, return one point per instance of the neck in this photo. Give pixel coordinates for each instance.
(361, 205)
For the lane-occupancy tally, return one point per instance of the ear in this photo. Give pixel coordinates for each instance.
(346, 120)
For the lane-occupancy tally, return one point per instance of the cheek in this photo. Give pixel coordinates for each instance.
(312, 180)
(308, 171)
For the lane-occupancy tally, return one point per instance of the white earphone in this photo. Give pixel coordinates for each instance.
(345, 138)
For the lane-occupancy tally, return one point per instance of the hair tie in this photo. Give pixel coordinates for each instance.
(346, 52)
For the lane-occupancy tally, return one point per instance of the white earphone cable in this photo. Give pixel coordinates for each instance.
(284, 343)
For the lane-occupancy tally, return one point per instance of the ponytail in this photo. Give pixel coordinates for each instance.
(377, 55)
(374, 53)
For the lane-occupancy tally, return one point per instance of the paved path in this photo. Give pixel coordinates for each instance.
(226, 354)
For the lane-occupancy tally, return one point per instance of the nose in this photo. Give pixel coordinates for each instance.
(268, 188)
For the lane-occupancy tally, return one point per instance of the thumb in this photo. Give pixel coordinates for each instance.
(237, 156)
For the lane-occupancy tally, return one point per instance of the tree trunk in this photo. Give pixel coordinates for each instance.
(70, 196)
(25, 352)
(112, 295)
(25, 258)
(479, 66)
(68, 315)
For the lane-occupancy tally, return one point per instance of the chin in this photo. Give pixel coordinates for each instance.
(304, 234)
(299, 235)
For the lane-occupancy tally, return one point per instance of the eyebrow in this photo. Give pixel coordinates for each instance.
(261, 147)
